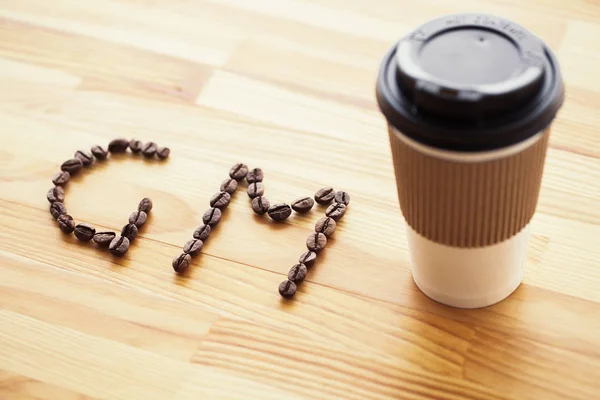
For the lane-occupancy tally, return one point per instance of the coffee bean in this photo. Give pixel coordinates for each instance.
(138, 218)
(163, 152)
(104, 238)
(57, 193)
(342, 197)
(149, 149)
(212, 216)
(220, 200)
(119, 245)
(86, 157)
(255, 175)
(181, 262)
(279, 212)
(84, 232)
(297, 273)
(118, 145)
(130, 231)
(316, 242)
(229, 185)
(326, 226)
(238, 171)
(308, 258)
(135, 145)
(303, 204)
(287, 289)
(57, 209)
(145, 205)
(99, 152)
(324, 195)
(193, 246)
(255, 189)
(72, 166)
(336, 211)
(61, 178)
(66, 223)
(260, 205)
(202, 232)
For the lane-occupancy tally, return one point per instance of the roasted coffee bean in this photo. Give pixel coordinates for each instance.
(324, 195)
(220, 200)
(229, 185)
(202, 233)
(316, 242)
(279, 212)
(57, 209)
(193, 246)
(212, 216)
(86, 158)
(287, 289)
(118, 145)
(303, 204)
(336, 211)
(297, 273)
(135, 145)
(145, 205)
(255, 175)
(84, 232)
(308, 258)
(130, 231)
(255, 189)
(326, 226)
(163, 152)
(104, 238)
(119, 245)
(138, 218)
(57, 193)
(238, 171)
(61, 178)
(149, 149)
(181, 262)
(260, 205)
(66, 223)
(342, 197)
(99, 152)
(72, 166)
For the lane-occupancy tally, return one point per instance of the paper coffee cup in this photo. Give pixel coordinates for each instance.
(469, 100)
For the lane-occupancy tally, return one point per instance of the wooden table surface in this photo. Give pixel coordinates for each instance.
(286, 85)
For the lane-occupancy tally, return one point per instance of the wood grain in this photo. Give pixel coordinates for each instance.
(285, 85)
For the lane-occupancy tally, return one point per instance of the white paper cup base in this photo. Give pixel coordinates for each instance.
(468, 277)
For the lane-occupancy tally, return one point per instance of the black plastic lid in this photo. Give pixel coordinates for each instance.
(470, 82)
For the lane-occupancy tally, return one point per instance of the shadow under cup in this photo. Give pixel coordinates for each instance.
(469, 101)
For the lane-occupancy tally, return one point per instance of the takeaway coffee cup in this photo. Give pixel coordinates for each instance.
(469, 100)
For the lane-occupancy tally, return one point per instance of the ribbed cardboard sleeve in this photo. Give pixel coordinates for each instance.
(468, 204)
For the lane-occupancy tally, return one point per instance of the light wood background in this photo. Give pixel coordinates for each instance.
(286, 85)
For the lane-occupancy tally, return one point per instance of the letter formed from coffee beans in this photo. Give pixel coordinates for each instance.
(57, 209)
(135, 146)
(145, 205)
(193, 246)
(84, 232)
(99, 152)
(66, 223)
(326, 226)
(130, 231)
(118, 145)
(56, 194)
(229, 185)
(303, 204)
(138, 218)
(308, 258)
(342, 197)
(86, 158)
(279, 212)
(238, 171)
(287, 289)
(297, 273)
(61, 178)
(255, 189)
(260, 205)
(316, 242)
(202, 232)
(325, 195)
(72, 166)
(181, 262)
(212, 216)
(255, 175)
(220, 200)
(149, 149)
(336, 211)
(104, 238)
(119, 246)
(163, 152)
